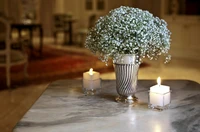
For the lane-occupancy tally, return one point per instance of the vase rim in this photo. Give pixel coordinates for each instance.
(126, 59)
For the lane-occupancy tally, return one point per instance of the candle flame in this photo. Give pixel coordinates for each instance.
(159, 81)
(91, 71)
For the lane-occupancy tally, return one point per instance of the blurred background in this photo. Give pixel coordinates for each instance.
(55, 26)
(182, 17)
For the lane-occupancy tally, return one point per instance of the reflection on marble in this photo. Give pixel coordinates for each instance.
(64, 107)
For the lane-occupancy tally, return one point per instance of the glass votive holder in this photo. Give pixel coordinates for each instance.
(91, 87)
(159, 101)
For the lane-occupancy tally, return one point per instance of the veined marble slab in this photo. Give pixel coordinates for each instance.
(64, 108)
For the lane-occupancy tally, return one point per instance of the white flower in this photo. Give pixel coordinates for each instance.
(127, 30)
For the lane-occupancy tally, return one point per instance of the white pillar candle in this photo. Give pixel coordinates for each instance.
(91, 80)
(159, 95)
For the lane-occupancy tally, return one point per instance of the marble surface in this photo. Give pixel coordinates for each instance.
(64, 108)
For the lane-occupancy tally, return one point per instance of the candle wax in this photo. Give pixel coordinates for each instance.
(159, 95)
(94, 76)
(91, 80)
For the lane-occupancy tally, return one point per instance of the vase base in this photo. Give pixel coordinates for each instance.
(128, 100)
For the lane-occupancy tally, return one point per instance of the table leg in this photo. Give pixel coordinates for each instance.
(70, 33)
(65, 38)
(20, 37)
(41, 41)
(31, 39)
(19, 33)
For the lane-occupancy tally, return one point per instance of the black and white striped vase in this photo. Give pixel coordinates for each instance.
(126, 71)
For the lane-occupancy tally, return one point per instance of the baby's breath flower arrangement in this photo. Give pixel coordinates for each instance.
(128, 30)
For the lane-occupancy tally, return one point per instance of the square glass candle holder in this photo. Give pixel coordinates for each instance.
(91, 87)
(159, 101)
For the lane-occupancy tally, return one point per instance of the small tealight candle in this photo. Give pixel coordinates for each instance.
(91, 75)
(159, 96)
(91, 81)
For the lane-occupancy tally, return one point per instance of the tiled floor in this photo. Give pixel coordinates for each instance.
(14, 103)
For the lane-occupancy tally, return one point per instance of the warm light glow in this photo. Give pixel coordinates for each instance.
(159, 81)
(91, 71)
(157, 128)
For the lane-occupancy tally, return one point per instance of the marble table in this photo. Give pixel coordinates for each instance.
(64, 108)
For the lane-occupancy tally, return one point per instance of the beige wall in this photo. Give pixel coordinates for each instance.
(117, 3)
(46, 18)
(2, 2)
(14, 11)
(59, 6)
(153, 6)
(48, 7)
(77, 8)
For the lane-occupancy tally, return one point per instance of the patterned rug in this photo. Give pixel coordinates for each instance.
(53, 65)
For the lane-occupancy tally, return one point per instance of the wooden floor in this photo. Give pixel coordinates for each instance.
(15, 102)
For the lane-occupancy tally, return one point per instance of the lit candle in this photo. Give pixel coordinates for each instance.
(159, 95)
(91, 80)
